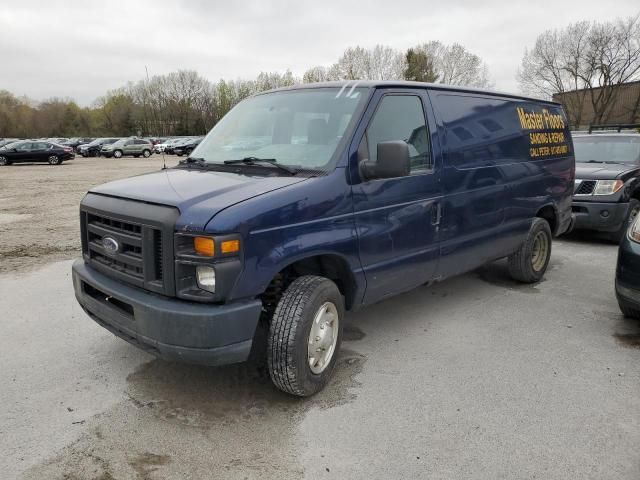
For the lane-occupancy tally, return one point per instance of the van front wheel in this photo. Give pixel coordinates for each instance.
(305, 335)
(530, 262)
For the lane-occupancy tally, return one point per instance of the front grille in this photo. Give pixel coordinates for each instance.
(585, 187)
(138, 258)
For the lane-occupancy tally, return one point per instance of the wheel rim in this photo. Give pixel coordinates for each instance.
(632, 214)
(53, 160)
(117, 154)
(323, 337)
(146, 153)
(539, 251)
(3, 160)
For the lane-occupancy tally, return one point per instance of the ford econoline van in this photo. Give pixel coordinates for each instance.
(307, 202)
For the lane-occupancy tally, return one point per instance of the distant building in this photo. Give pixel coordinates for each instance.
(624, 106)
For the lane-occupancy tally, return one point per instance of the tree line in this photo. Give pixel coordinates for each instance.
(186, 103)
(591, 59)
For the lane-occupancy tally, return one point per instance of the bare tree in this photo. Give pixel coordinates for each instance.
(591, 60)
(451, 64)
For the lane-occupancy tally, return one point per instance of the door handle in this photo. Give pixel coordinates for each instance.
(436, 214)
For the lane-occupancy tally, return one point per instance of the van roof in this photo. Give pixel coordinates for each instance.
(406, 84)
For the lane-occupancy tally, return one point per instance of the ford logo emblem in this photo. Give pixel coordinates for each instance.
(110, 245)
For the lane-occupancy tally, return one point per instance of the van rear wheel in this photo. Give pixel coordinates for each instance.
(305, 335)
(530, 262)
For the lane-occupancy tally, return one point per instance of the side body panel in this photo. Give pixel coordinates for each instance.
(496, 177)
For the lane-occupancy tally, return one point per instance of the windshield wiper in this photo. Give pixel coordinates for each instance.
(264, 161)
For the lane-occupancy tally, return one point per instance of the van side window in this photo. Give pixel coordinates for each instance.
(401, 117)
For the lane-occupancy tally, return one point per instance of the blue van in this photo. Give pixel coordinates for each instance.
(306, 202)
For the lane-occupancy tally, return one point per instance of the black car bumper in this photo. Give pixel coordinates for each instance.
(171, 329)
(604, 217)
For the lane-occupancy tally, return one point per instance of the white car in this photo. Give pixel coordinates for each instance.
(159, 147)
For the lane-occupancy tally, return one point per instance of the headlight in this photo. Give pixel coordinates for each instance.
(607, 187)
(206, 277)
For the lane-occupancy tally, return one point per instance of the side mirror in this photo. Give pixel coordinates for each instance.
(393, 161)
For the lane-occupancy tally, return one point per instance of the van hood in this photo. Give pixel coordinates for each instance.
(602, 171)
(198, 194)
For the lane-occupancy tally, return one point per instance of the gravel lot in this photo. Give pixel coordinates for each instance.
(476, 377)
(39, 220)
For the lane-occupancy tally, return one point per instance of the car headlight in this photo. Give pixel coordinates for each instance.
(206, 277)
(607, 187)
(634, 230)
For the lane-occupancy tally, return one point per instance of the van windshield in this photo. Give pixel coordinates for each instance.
(611, 149)
(298, 128)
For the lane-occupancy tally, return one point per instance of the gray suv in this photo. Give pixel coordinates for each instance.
(127, 146)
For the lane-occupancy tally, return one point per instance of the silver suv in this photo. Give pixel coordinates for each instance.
(127, 146)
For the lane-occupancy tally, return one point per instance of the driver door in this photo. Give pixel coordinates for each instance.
(22, 153)
(397, 219)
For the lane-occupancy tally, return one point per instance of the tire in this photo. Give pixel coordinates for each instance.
(529, 263)
(117, 154)
(310, 301)
(4, 161)
(85, 155)
(146, 153)
(628, 311)
(54, 160)
(632, 211)
(188, 152)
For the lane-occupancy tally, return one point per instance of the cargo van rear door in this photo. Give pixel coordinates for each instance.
(397, 219)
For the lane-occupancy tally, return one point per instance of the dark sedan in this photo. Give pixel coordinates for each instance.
(34, 151)
(186, 148)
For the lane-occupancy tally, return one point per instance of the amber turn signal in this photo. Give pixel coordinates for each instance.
(230, 246)
(203, 246)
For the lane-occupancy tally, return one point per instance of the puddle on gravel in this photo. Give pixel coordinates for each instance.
(351, 333)
(181, 418)
(629, 340)
(201, 397)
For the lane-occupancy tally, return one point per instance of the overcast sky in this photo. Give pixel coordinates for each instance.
(81, 48)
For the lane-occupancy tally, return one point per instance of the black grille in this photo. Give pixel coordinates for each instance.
(129, 262)
(585, 187)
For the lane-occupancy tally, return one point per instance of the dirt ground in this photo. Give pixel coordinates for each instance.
(39, 219)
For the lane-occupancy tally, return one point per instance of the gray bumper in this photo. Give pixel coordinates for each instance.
(171, 329)
(604, 217)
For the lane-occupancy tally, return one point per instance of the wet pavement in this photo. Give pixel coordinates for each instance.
(476, 377)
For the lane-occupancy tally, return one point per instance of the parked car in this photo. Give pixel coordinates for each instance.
(170, 148)
(160, 147)
(185, 148)
(76, 142)
(627, 283)
(306, 202)
(607, 187)
(127, 147)
(38, 151)
(92, 149)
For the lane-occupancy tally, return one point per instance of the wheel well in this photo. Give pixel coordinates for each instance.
(549, 214)
(332, 267)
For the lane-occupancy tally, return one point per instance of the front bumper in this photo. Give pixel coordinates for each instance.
(172, 329)
(604, 217)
